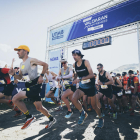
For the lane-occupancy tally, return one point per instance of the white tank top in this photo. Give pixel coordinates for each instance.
(52, 82)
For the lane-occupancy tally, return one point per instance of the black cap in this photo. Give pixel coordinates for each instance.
(16, 67)
(124, 73)
(131, 72)
(78, 52)
(118, 74)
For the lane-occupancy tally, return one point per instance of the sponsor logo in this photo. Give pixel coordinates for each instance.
(87, 19)
(54, 59)
(19, 89)
(53, 67)
(58, 35)
(96, 21)
(95, 27)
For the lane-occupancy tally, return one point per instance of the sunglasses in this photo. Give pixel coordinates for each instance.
(98, 68)
(63, 63)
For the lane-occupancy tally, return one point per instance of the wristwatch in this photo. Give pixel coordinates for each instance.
(42, 75)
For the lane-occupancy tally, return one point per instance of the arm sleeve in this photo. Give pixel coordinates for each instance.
(69, 75)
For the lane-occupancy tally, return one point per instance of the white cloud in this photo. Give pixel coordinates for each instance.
(5, 47)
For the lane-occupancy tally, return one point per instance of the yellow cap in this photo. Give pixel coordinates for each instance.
(24, 47)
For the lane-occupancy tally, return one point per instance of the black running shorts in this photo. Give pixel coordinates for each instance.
(8, 89)
(53, 89)
(33, 92)
(73, 88)
(108, 93)
(89, 92)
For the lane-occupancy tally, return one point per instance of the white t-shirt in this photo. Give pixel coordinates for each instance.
(52, 82)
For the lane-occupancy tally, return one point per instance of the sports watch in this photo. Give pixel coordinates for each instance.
(42, 75)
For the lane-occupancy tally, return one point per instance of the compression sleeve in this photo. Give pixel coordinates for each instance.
(69, 75)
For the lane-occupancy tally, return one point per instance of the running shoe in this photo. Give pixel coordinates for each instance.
(89, 109)
(115, 115)
(101, 123)
(51, 123)
(69, 114)
(82, 118)
(18, 114)
(102, 114)
(28, 122)
(60, 108)
(16, 108)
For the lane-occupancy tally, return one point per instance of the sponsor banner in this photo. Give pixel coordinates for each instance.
(54, 60)
(124, 13)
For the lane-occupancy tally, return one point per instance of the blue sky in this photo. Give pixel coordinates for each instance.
(26, 22)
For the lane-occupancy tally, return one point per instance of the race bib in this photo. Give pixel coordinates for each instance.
(51, 83)
(26, 78)
(120, 94)
(85, 81)
(128, 92)
(104, 86)
(66, 82)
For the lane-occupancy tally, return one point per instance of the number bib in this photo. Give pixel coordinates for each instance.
(50, 83)
(104, 86)
(128, 92)
(26, 78)
(66, 82)
(85, 81)
(120, 94)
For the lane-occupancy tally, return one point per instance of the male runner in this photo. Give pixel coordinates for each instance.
(66, 74)
(105, 81)
(53, 86)
(29, 66)
(133, 83)
(125, 93)
(86, 86)
(8, 89)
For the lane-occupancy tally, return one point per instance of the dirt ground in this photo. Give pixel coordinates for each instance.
(124, 128)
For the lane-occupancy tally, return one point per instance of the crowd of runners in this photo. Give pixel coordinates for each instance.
(79, 87)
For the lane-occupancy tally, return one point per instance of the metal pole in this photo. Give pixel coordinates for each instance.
(138, 46)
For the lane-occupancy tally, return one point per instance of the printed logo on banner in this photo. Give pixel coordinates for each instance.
(54, 59)
(19, 89)
(89, 22)
(58, 35)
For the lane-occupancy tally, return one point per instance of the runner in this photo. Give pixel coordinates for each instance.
(117, 91)
(8, 89)
(66, 74)
(125, 96)
(33, 87)
(133, 83)
(86, 82)
(105, 82)
(53, 86)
